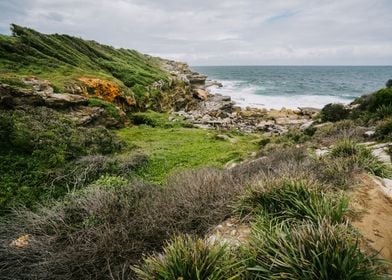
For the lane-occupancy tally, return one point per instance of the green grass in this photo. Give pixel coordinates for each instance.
(181, 148)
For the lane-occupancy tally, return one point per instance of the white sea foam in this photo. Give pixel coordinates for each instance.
(252, 95)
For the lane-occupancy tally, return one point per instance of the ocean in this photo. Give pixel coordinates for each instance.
(295, 86)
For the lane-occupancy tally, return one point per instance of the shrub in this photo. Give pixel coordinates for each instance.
(37, 141)
(101, 230)
(330, 133)
(97, 231)
(361, 157)
(384, 130)
(87, 169)
(293, 199)
(389, 83)
(334, 112)
(308, 251)
(375, 100)
(189, 258)
(384, 111)
(155, 119)
(110, 108)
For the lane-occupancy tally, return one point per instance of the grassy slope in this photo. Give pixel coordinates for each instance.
(62, 59)
(181, 148)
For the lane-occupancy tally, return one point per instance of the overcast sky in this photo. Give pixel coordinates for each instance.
(222, 32)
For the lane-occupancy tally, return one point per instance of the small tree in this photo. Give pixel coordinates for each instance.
(389, 83)
(334, 112)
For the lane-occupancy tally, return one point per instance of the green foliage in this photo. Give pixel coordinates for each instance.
(35, 142)
(294, 199)
(384, 130)
(110, 108)
(62, 59)
(160, 120)
(361, 157)
(329, 133)
(384, 111)
(189, 258)
(388, 84)
(334, 112)
(371, 103)
(308, 251)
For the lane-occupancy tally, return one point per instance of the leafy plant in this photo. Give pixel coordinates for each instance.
(321, 250)
(361, 157)
(190, 258)
(293, 199)
(334, 112)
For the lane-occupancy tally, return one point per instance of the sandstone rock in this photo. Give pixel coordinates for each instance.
(43, 86)
(306, 125)
(210, 83)
(59, 100)
(322, 152)
(369, 133)
(196, 78)
(308, 111)
(200, 94)
(382, 155)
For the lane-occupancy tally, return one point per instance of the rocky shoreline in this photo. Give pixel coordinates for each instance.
(188, 96)
(216, 111)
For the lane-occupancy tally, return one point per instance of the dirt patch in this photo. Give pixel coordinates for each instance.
(373, 216)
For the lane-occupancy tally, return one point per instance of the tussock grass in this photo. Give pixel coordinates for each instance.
(290, 199)
(190, 258)
(310, 250)
(360, 157)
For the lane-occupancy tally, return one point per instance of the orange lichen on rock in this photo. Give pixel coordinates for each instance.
(106, 90)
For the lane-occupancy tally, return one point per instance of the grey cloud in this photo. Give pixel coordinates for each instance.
(222, 31)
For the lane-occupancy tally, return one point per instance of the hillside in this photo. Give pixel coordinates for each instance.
(127, 78)
(64, 59)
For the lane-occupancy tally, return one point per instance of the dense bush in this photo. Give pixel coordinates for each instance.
(308, 251)
(374, 101)
(102, 229)
(334, 112)
(388, 84)
(384, 130)
(37, 141)
(193, 259)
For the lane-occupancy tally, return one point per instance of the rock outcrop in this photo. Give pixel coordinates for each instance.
(41, 93)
